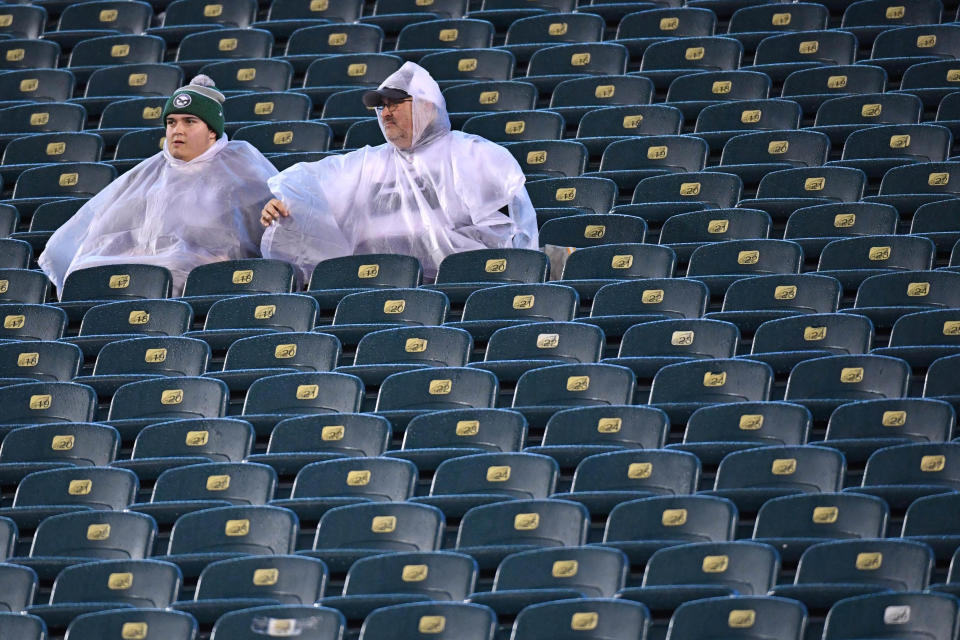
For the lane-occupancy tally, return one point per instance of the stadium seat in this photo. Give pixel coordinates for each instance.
(665, 61)
(939, 382)
(552, 65)
(603, 125)
(885, 297)
(601, 617)
(177, 443)
(831, 571)
(46, 361)
(23, 626)
(604, 480)
(791, 524)
(108, 84)
(714, 431)
(897, 49)
(626, 162)
(685, 232)
(20, 586)
(418, 39)
(328, 75)
(659, 197)
(245, 623)
(112, 321)
(592, 267)
(905, 472)
(431, 438)
(527, 35)
(22, 285)
(70, 539)
(41, 447)
(431, 620)
(739, 617)
(640, 29)
(921, 337)
(491, 532)
(205, 536)
(469, 99)
(210, 282)
(86, 288)
(878, 149)
(782, 192)
(408, 394)
(467, 481)
(886, 615)
(231, 319)
(780, 55)
(139, 404)
(542, 392)
(460, 274)
(25, 153)
(930, 520)
(108, 584)
(617, 306)
(816, 226)
(334, 278)
(186, 16)
(273, 398)
(550, 158)
(111, 624)
(451, 68)
(266, 106)
(910, 186)
(307, 43)
(349, 533)
(936, 221)
(811, 87)
(43, 402)
(839, 117)
(577, 97)
(35, 59)
(784, 342)
(573, 434)
(492, 308)
(752, 23)
(593, 229)
(52, 182)
(92, 53)
(32, 322)
(25, 21)
(868, 18)
(239, 583)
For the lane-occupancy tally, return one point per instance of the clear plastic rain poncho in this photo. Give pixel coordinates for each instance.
(171, 213)
(442, 195)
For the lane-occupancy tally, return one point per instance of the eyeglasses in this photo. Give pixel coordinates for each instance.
(390, 106)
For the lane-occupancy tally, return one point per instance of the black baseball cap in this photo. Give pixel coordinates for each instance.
(379, 97)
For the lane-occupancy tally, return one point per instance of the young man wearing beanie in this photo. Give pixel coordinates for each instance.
(428, 192)
(196, 201)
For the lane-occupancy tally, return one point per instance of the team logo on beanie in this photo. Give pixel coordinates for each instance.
(182, 100)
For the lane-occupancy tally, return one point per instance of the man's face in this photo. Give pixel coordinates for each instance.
(397, 119)
(188, 136)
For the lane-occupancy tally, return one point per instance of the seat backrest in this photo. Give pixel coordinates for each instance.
(494, 265)
(283, 312)
(138, 583)
(109, 50)
(747, 115)
(358, 69)
(48, 116)
(288, 579)
(67, 179)
(668, 22)
(170, 356)
(648, 472)
(514, 126)
(340, 12)
(434, 620)
(226, 43)
(870, 109)
(920, 41)
(851, 377)
(800, 16)
(842, 219)
(842, 184)
(750, 257)
(818, 47)
(749, 568)
(335, 39)
(602, 91)
(515, 475)
(366, 271)
(553, 158)
(670, 153)
(836, 80)
(760, 423)
(804, 293)
(558, 342)
(926, 615)
(687, 338)
(671, 297)
(370, 479)
(54, 147)
(836, 333)
(928, 463)
(83, 445)
(438, 388)
(107, 14)
(719, 86)
(900, 565)
(596, 572)
(351, 434)
(291, 350)
(240, 483)
(715, 225)
(877, 13)
(428, 346)
(298, 393)
(541, 523)
(689, 518)
(822, 515)
(703, 618)
(438, 575)
(916, 143)
(24, 626)
(575, 385)
(878, 252)
(599, 58)
(235, 277)
(437, 34)
(707, 53)
(181, 397)
(419, 307)
(105, 535)
(25, 21)
(797, 148)
(20, 585)
(530, 302)
(141, 79)
(149, 317)
(805, 468)
(42, 85)
(46, 361)
(480, 429)
(166, 623)
(922, 177)
(627, 426)
(720, 190)
(42, 402)
(596, 230)
(556, 28)
(494, 95)
(618, 261)
(182, 12)
(925, 327)
(103, 488)
(470, 64)
(903, 419)
(390, 526)
(257, 530)
(631, 120)
(218, 439)
(268, 106)
(251, 74)
(615, 619)
(243, 624)
(22, 285)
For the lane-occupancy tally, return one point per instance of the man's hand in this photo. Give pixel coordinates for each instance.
(273, 210)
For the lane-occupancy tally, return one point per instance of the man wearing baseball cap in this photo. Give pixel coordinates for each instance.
(428, 192)
(196, 201)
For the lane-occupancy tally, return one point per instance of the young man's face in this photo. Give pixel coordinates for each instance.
(188, 136)
(397, 119)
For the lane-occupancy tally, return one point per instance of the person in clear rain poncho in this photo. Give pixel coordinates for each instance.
(428, 192)
(193, 203)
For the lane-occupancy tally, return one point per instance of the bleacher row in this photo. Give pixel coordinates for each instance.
(731, 412)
